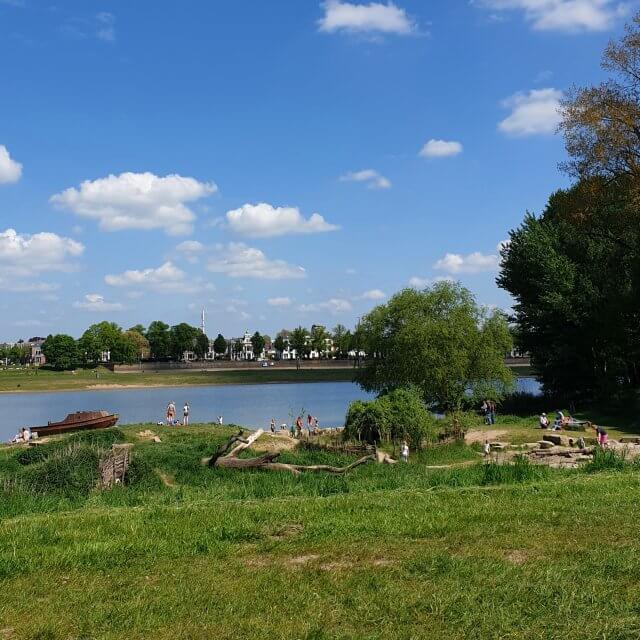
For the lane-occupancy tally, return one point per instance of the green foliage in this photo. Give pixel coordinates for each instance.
(298, 341)
(159, 340)
(220, 345)
(438, 341)
(183, 337)
(575, 275)
(396, 416)
(279, 345)
(520, 471)
(606, 460)
(61, 352)
(257, 342)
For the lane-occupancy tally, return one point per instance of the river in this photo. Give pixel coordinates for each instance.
(248, 405)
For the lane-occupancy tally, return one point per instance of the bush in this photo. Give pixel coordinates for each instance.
(71, 471)
(606, 460)
(520, 471)
(398, 415)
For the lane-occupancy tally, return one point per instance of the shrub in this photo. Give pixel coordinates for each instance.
(606, 460)
(520, 471)
(71, 471)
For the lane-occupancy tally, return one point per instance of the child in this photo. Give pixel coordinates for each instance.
(404, 451)
(486, 449)
(602, 435)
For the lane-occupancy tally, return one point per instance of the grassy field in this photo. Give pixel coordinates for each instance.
(12, 380)
(403, 551)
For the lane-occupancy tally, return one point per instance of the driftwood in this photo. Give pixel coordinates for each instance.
(226, 457)
(114, 465)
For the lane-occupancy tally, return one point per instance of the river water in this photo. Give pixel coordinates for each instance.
(247, 405)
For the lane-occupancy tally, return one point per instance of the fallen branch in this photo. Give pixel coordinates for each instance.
(226, 457)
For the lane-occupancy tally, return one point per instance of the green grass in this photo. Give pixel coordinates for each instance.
(45, 380)
(388, 551)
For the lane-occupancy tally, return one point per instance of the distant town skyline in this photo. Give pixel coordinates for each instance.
(278, 164)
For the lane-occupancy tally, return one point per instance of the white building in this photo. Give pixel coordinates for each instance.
(241, 348)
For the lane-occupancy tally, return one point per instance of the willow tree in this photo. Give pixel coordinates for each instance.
(438, 341)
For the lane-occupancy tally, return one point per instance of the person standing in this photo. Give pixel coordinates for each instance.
(404, 451)
(220, 420)
(298, 426)
(486, 449)
(273, 425)
(171, 413)
(602, 435)
(185, 414)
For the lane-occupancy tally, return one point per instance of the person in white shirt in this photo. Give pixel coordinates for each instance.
(404, 451)
(544, 421)
(486, 449)
(220, 421)
(185, 414)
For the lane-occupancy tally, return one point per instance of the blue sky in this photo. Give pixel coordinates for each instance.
(278, 163)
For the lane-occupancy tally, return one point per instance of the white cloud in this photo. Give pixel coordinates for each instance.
(237, 260)
(374, 294)
(440, 149)
(371, 177)
(10, 170)
(533, 113)
(167, 278)
(333, 305)
(264, 220)
(24, 255)
(374, 17)
(190, 246)
(136, 201)
(106, 26)
(279, 302)
(96, 302)
(422, 283)
(17, 286)
(473, 263)
(563, 15)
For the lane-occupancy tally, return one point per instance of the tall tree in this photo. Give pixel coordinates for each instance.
(202, 344)
(341, 339)
(437, 341)
(220, 345)
(299, 341)
(61, 351)
(279, 345)
(319, 336)
(257, 342)
(140, 345)
(183, 337)
(159, 340)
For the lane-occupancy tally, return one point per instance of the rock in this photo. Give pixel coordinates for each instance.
(156, 439)
(545, 444)
(498, 446)
(556, 439)
(630, 440)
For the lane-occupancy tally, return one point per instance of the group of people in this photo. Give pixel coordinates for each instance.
(24, 435)
(565, 422)
(297, 428)
(172, 419)
(488, 410)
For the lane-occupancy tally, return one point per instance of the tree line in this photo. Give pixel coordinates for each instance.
(161, 342)
(574, 270)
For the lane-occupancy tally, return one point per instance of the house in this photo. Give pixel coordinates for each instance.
(189, 356)
(241, 348)
(37, 357)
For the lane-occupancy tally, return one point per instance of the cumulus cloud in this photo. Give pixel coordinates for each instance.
(167, 278)
(136, 201)
(333, 305)
(279, 302)
(476, 262)
(372, 18)
(190, 246)
(440, 149)
(374, 294)
(24, 255)
(237, 260)
(563, 15)
(10, 170)
(422, 283)
(96, 302)
(534, 113)
(264, 220)
(370, 177)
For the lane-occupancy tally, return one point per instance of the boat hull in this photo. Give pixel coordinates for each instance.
(82, 421)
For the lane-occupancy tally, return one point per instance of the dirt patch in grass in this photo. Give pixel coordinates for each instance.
(300, 561)
(272, 442)
(481, 436)
(517, 556)
(167, 479)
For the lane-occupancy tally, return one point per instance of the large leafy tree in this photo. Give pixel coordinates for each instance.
(257, 342)
(183, 337)
(61, 351)
(577, 292)
(279, 344)
(437, 341)
(102, 337)
(319, 336)
(299, 341)
(159, 340)
(220, 345)
(136, 345)
(341, 340)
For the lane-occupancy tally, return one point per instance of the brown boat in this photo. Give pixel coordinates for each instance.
(79, 421)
